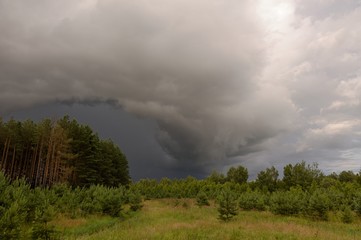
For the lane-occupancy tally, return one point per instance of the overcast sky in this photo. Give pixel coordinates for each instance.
(186, 87)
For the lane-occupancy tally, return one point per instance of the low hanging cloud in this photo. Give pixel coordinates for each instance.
(245, 81)
(193, 66)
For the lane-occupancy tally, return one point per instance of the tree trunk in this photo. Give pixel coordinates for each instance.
(6, 156)
(11, 174)
(24, 161)
(4, 153)
(33, 163)
(38, 163)
(53, 164)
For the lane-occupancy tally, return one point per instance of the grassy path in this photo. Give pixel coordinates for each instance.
(181, 219)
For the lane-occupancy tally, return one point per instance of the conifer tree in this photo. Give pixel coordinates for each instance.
(227, 205)
(51, 152)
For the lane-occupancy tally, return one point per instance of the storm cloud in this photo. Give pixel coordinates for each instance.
(226, 82)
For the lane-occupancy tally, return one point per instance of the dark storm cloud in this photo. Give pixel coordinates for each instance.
(192, 66)
(226, 82)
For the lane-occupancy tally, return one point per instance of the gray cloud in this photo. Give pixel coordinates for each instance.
(317, 59)
(223, 80)
(321, 9)
(193, 67)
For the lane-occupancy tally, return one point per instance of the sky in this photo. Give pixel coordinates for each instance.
(187, 87)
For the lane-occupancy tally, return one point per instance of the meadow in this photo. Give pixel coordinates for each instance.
(183, 219)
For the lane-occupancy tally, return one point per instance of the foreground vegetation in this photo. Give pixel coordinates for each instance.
(215, 210)
(183, 219)
(37, 213)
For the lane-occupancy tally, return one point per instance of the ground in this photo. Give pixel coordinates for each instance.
(183, 219)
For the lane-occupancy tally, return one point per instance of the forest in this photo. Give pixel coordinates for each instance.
(56, 171)
(60, 151)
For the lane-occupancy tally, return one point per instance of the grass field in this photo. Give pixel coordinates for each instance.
(182, 219)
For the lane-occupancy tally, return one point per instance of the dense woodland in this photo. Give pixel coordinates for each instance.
(60, 151)
(62, 167)
(303, 191)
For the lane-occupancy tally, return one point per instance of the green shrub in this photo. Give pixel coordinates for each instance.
(253, 201)
(318, 205)
(66, 199)
(202, 199)
(41, 228)
(112, 204)
(337, 198)
(91, 199)
(100, 199)
(357, 203)
(288, 203)
(227, 201)
(135, 200)
(14, 200)
(11, 220)
(71, 200)
(347, 216)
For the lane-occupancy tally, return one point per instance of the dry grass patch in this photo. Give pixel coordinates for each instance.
(65, 222)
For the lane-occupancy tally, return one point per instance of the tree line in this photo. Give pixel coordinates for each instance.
(301, 175)
(51, 152)
(303, 191)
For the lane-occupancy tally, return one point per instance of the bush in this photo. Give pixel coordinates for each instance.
(41, 228)
(347, 216)
(71, 200)
(318, 205)
(23, 208)
(202, 199)
(357, 203)
(11, 221)
(91, 200)
(337, 198)
(253, 201)
(135, 201)
(66, 200)
(113, 203)
(100, 199)
(288, 203)
(14, 200)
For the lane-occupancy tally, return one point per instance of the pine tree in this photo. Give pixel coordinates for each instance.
(51, 151)
(227, 205)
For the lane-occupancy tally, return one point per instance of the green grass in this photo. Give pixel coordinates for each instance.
(182, 219)
(73, 228)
